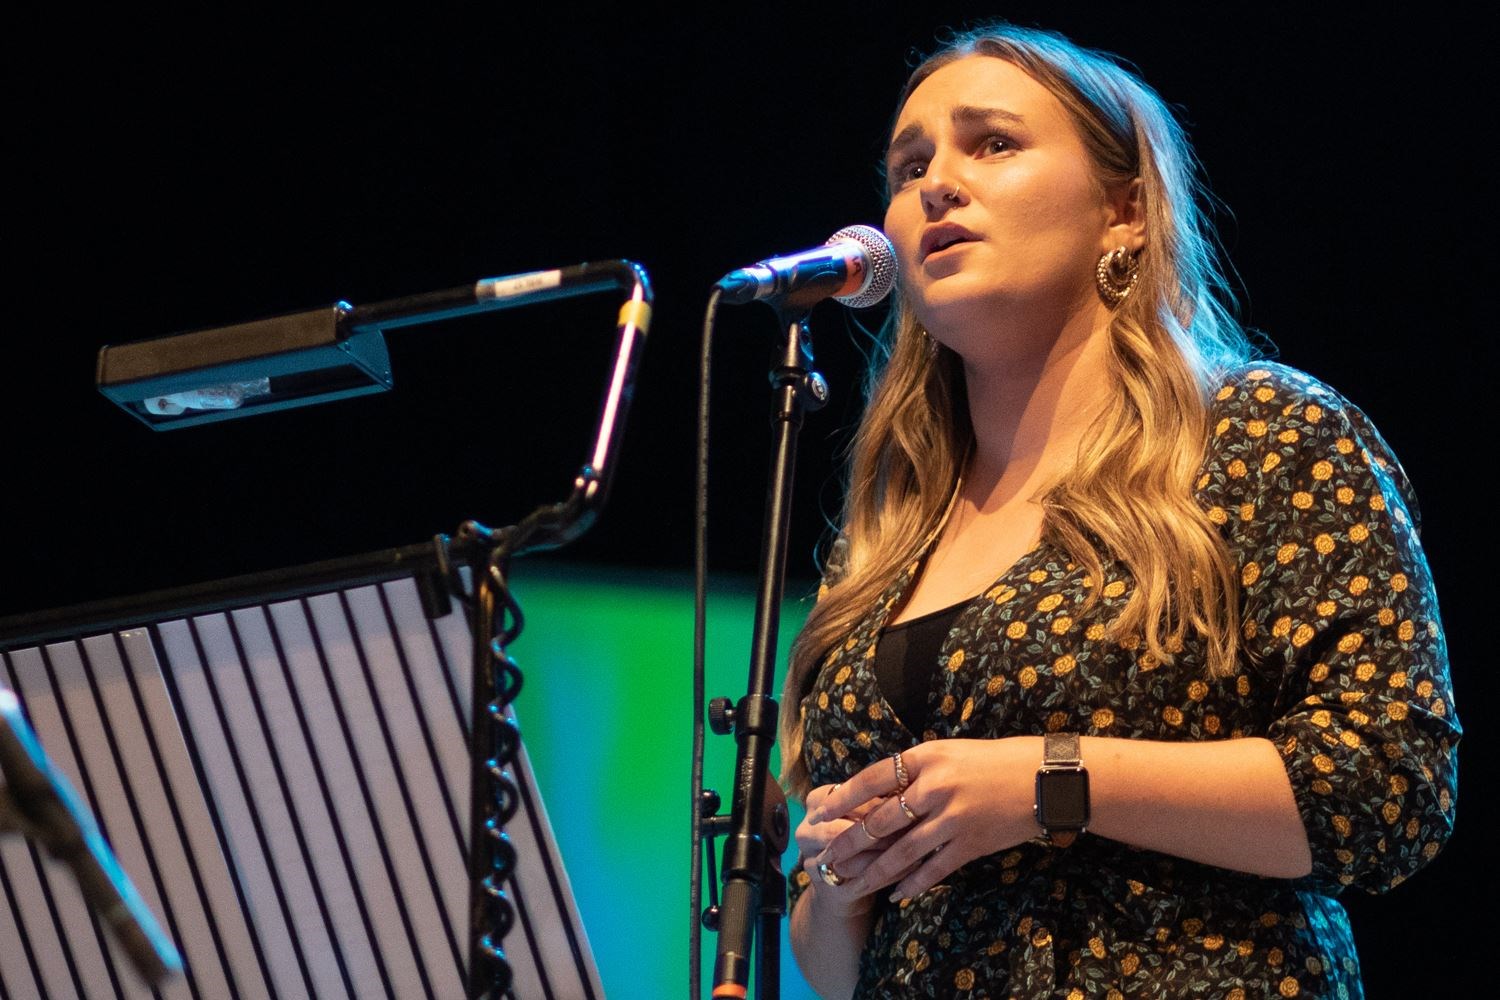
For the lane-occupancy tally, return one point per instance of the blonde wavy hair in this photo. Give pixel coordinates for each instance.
(1130, 494)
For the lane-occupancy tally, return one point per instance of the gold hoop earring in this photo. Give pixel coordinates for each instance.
(1116, 275)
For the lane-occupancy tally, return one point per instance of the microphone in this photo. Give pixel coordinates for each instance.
(857, 266)
(38, 801)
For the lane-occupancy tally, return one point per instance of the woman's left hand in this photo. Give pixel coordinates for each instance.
(969, 798)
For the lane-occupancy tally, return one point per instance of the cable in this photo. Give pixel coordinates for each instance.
(700, 633)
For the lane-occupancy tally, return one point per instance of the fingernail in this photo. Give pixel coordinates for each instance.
(896, 896)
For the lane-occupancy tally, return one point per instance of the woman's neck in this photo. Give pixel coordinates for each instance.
(1030, 413)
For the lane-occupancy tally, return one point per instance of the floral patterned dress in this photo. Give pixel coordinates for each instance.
(1344, 669)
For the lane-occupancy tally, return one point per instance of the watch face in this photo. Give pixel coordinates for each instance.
(1062, 799)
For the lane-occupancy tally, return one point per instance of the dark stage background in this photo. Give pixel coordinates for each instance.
(176, 172)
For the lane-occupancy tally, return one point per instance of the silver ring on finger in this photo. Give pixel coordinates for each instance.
(829, 876)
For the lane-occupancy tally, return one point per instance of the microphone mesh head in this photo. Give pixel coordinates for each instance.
(881, 256)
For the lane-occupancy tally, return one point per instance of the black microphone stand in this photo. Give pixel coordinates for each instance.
(757, 829)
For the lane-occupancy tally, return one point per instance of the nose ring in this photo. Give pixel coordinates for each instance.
(953, 197)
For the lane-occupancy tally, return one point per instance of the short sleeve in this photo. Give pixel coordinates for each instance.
(1339, 610)
(835, 566)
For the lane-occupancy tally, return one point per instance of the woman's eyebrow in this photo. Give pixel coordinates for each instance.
(963, 114)
(904, 138)
(969, 114)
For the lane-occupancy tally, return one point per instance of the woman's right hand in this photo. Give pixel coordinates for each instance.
(814, 837)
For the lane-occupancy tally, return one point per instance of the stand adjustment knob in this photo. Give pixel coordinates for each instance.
(814, 391)
(721, 716)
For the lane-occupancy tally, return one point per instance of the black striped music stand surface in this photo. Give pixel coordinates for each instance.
(286, 783)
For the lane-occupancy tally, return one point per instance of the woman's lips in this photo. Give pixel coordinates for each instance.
(938, 239)
(940, 251)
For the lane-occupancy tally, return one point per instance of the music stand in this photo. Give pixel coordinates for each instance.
(290, 361)
(285, 778)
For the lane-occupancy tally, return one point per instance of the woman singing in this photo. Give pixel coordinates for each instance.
(1127, 659)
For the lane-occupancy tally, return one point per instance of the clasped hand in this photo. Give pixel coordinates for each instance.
(963, 799)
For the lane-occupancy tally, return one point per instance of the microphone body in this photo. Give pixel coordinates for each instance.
(857, 266)
(37, 800)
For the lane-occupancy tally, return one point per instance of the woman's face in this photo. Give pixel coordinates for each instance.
(996, 213)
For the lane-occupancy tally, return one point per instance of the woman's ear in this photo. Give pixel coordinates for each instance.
(1125, 216)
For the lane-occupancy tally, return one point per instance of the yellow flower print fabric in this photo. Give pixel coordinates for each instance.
(1343, 668)
(1344, 618)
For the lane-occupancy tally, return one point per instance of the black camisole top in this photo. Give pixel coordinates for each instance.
(905, 658)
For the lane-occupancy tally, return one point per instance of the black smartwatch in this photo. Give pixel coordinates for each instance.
(1062, 789)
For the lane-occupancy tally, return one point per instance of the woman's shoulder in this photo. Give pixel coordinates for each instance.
(1264, 407)
(1268, 386)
